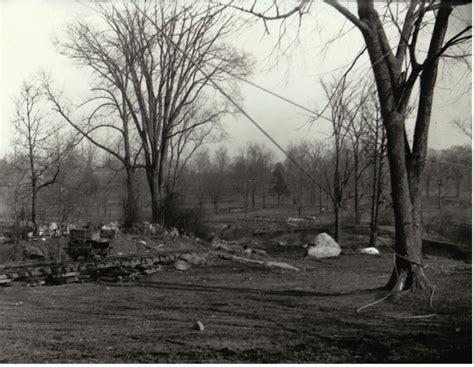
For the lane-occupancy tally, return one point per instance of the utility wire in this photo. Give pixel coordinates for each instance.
(271, 93)
(231, 100)
(277, 95)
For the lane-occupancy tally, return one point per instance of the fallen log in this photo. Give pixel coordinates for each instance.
(270, 264)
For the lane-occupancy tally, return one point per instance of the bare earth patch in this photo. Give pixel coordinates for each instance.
(250, 313)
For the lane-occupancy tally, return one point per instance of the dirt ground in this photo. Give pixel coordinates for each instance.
(251, 314)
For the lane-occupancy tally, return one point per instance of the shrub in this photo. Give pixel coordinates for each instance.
(184, 219)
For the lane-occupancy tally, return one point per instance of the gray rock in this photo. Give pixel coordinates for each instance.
(323, 245)
(198, 326)
(194, 259)
(216, 243)
(173, 232)
(32, 252)
(181, 265)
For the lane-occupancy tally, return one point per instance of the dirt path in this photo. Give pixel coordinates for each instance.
(251, 314)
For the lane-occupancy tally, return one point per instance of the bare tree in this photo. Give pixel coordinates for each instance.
(339, 170)
(375, 144)
(465, 126)
(295, 177)
(280, 187)
(138, 50)
(217, 177)
(33, 136)
(397, 71)
(202, 167)
(357, 125)
(252, 172)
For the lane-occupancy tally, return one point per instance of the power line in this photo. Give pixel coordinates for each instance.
(231, 100)
(276, 95)
(255, 122)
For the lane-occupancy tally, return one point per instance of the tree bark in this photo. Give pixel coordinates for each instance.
(408, 266)
(155, 196)
(132, 211)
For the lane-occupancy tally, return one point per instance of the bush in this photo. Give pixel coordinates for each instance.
(184, 219)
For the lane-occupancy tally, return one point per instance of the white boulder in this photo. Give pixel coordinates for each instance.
(370, 251)
(323, 245)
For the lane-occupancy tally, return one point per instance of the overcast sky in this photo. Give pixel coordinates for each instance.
(27, 29)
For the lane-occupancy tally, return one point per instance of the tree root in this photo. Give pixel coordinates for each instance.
(400, 288)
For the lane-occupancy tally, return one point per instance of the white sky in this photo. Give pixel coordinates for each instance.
(27, 28)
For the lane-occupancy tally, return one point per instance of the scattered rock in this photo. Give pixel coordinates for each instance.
(323, 245)
(294, 220)
(199, 326)
(173, 232)
(259, 252)
(216, 243)
(282, 243)
(194, 259)
(370, 251)
(32, 252)
(181, 265)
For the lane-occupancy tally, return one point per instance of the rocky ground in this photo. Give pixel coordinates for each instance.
(251, 313)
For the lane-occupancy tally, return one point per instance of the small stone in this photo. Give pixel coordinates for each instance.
(370, 251)
(173, 232)
(199, 326)
(181, 265)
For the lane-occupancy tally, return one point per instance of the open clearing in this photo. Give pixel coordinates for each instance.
(251, 314)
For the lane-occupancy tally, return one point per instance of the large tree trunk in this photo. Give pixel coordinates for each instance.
(408, 272)
(131, 210)
(406, 165)
(155, 196)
